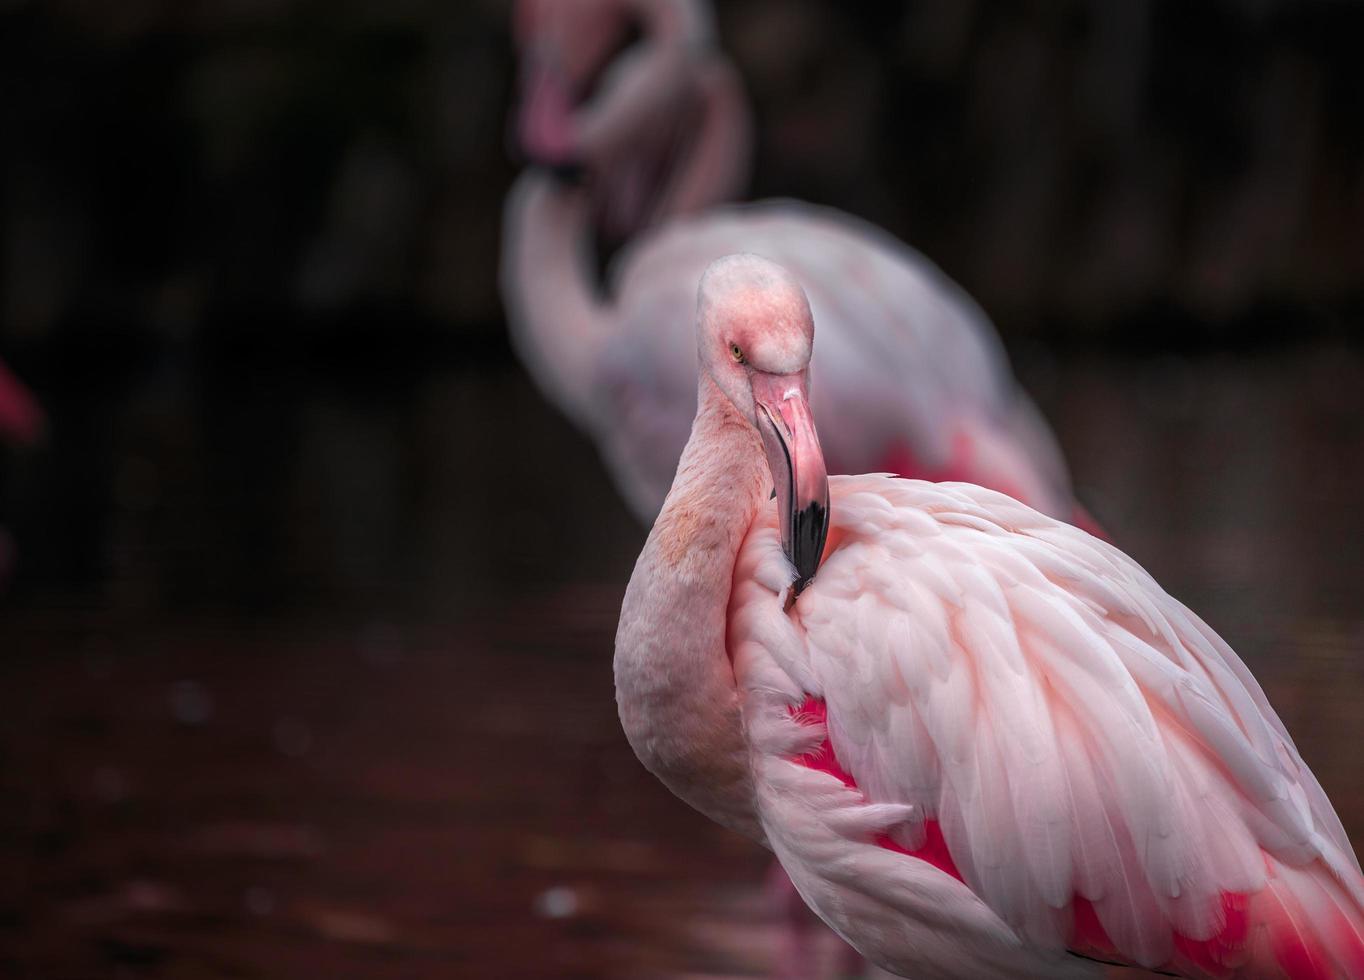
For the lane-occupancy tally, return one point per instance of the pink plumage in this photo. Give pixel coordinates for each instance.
(1010, 622)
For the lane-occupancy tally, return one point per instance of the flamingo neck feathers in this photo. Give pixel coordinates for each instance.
(556, 317)
(675, 686)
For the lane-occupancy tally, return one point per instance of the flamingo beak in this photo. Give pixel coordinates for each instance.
(800, 480)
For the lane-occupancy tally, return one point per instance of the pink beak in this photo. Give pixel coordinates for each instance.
(800, 480)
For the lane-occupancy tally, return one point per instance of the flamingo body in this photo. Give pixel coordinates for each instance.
(982, 742)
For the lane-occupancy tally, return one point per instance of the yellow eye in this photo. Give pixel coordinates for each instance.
(735, 353)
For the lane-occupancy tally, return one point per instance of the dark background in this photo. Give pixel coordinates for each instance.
(304, 664)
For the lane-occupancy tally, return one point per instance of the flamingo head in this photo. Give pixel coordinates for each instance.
(755, 336)
(564, 46)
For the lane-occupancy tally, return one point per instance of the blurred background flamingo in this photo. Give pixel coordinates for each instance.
(910, 373)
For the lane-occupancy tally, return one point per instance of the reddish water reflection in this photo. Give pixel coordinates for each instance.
(328, 690)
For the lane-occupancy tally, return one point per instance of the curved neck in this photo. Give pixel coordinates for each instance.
(643, 87)
(672, 134)
(557, 321)
(674, 682)
(715, 167)
(716, 164)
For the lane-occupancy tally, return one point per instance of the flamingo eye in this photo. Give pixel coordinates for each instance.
(736, 353)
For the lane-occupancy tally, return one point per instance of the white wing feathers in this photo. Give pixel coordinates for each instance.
(1072, 728)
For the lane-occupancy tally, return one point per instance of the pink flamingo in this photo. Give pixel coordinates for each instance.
(982, 742)
(909, 366)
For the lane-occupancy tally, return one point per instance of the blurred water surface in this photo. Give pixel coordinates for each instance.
(307, 668)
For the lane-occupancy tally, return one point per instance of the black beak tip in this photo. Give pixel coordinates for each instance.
(810, 528)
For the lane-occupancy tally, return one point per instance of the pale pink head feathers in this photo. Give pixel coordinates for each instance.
(755, 336)
(752, 316)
